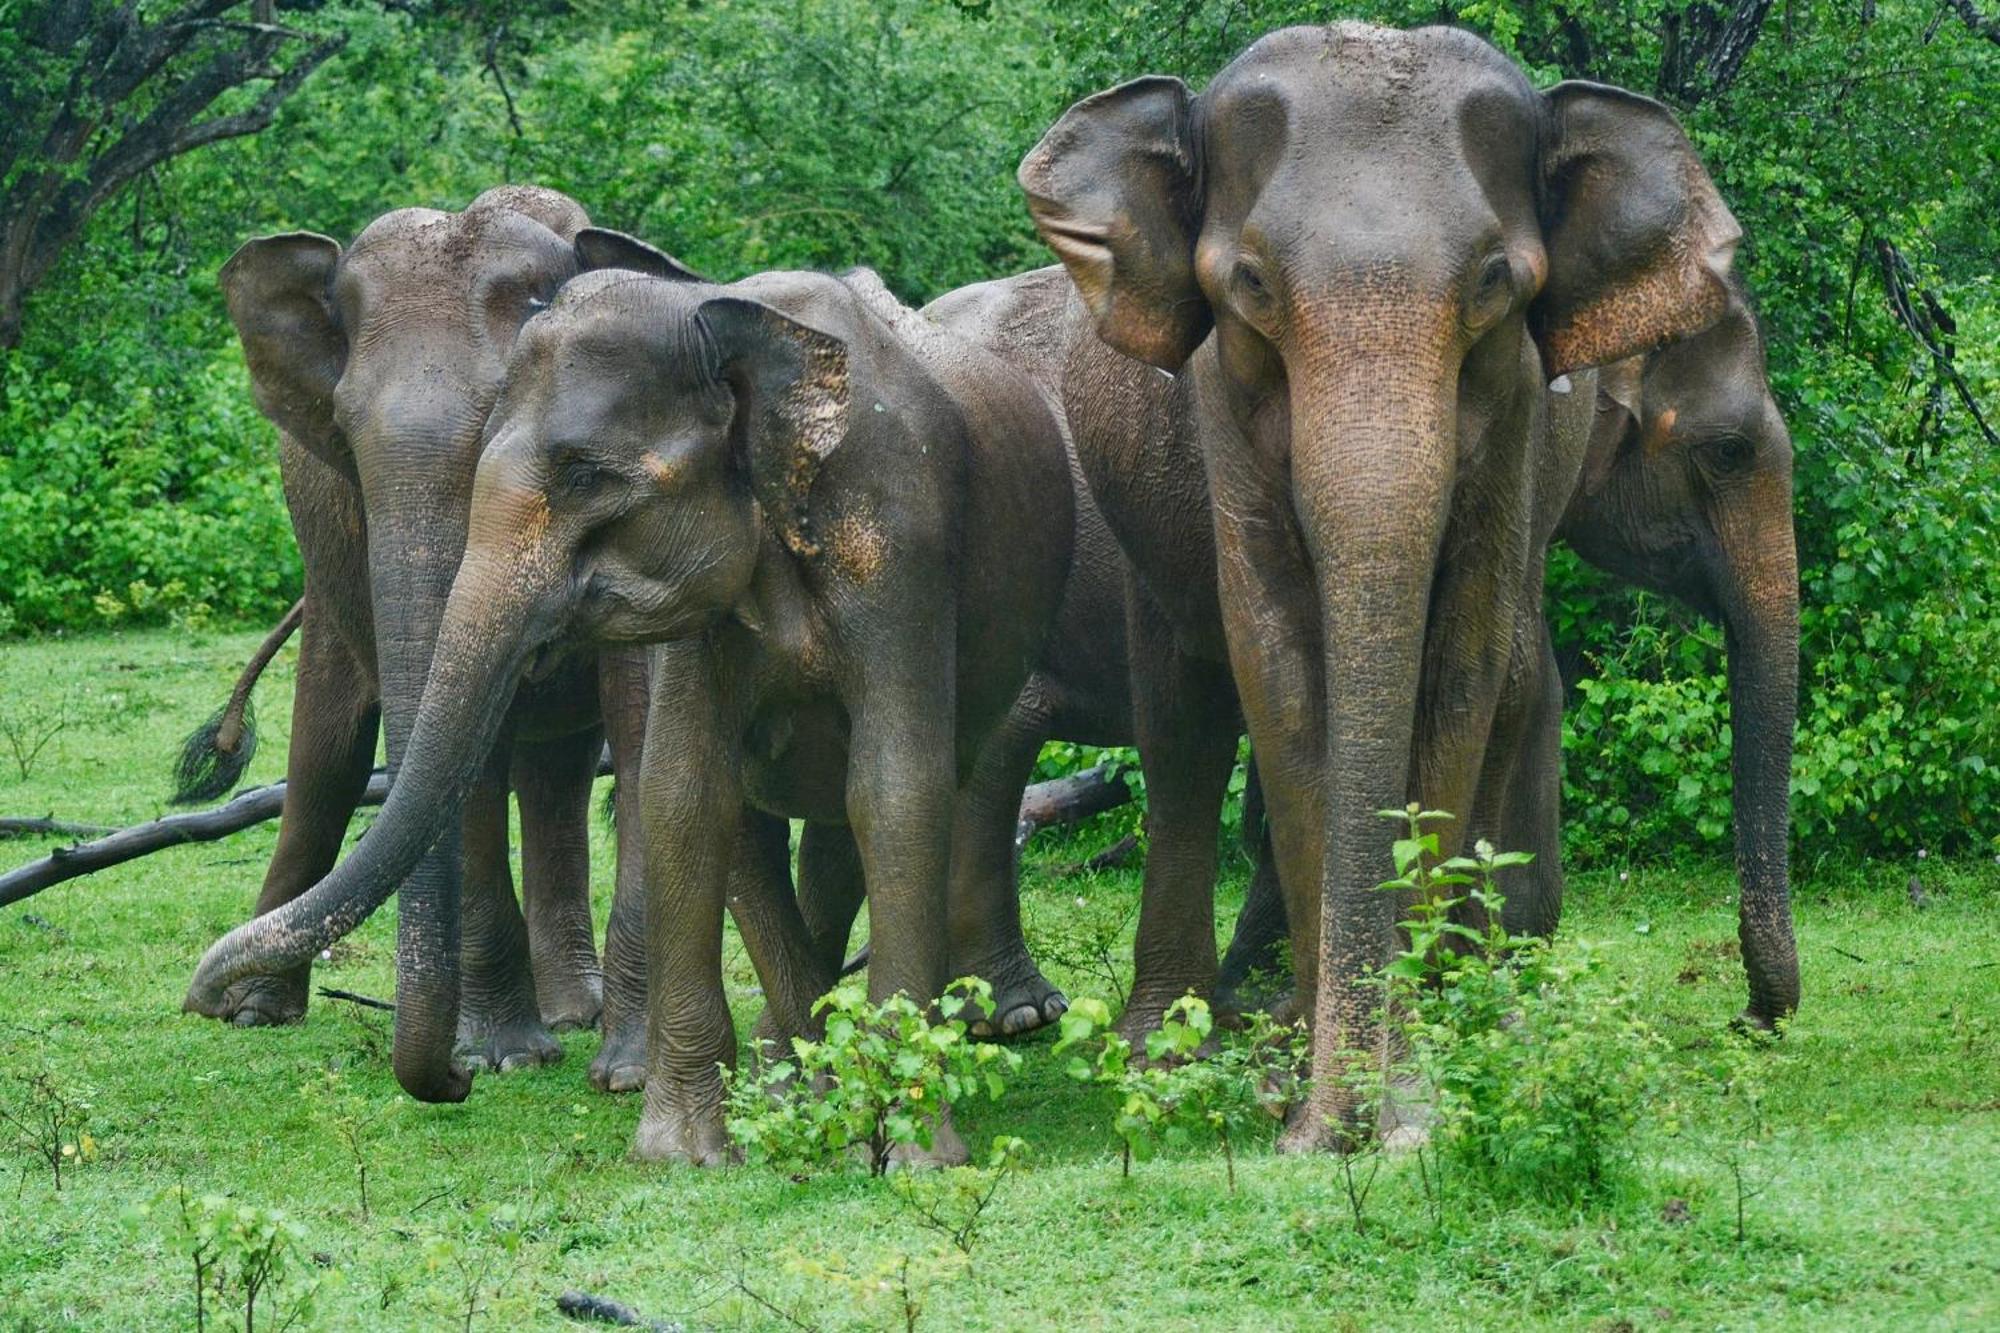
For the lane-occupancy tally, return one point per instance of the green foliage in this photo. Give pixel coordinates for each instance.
(880, 1079)
(1534, 1063)
(1179, 1091)
(139, 486)
(47, 1120)
(240, 1253)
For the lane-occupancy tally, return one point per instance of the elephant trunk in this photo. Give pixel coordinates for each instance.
(1761, 601)
(1374, 462)
(491, 622)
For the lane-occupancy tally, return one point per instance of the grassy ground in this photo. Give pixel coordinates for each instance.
(1879, 1203)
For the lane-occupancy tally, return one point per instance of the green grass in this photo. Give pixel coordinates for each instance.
(1882, 1208)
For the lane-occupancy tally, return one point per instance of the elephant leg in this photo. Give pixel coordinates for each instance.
(620, 1063)
(984, 903)
(500, 1021)
(1250, 978)
(1526, 816)
(792, 971)
(901, 793)
(831, 891)
(692, 801)
(1186, 726)
(335, 717)
(552, 780)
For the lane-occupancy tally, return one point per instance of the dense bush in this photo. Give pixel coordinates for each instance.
(136, 482)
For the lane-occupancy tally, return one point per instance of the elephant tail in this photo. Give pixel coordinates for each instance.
(216, 753)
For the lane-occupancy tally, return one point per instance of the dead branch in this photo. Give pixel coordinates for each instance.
(1067, 800)
(48, 826)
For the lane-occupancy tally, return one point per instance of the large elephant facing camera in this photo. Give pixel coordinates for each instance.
(1367, 253)
(848, 541)
(378, 363)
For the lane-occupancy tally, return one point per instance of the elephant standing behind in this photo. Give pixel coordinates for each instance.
(378, 365)
(1365, 254)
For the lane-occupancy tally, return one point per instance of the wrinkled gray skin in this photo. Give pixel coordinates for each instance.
(378, 364)
(1686, 490)
(1077, 693)
(847, 543)
(1365, 254)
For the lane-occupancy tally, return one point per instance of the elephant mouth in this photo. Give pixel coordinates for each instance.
(543, 661)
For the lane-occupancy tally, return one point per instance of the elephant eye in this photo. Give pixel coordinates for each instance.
(1732, 453)
(581, 477)
(1492, 294)
(1251, 282)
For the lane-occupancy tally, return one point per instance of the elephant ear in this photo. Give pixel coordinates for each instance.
(279, 290)
(1614, 419)
(791, 385)
(601, 247)
(1115, 191)
(1639, 242)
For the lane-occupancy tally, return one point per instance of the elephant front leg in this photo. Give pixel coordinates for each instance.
(335, 718)
(1250, 979)
(900, 794)
(984, 907)
(620, 1063)
(1184, 717)
(792, 972)
(553, 780)
(1519, 803)
(692, 797)
(500, 1020)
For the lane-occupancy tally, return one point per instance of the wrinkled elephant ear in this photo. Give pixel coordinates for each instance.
(791, 385)
(552, 208)
(601, 247)
(1614, 420)
(279, 290)
(1639, 241)
(1114, 190)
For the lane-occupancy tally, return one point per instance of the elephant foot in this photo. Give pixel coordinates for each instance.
(257, 1002)
(1755, 1024)
(1254, 994)
(620, 1065)
(1023, 999)
(690, 1131)
(506, 1045)
(1146, 1011)
(572, 1000)
(947, 1149)
(1309, 1129)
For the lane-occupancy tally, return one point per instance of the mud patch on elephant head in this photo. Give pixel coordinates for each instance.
(858, 545)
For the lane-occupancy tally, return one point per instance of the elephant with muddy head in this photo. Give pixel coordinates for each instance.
(378, 363)
(845, 533)
(1685, 490)
(1366, 255)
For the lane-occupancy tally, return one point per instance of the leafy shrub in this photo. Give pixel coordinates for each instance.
(880, 1079)
(1175, 1094)
(1535, 1060)
(240, 1253)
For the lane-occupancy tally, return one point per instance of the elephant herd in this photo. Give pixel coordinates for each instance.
(1336, 348)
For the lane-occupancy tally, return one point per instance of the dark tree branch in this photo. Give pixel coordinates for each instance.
(1918, 310)
(1982, 26)
(64, 159)
(1704, 47)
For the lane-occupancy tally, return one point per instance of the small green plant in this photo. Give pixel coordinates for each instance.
(29, 723)
(47, 1122)
(883, 1077)
(1173, 1095)
(1536, 1062)
(468, 1268)
(954, 1203)
(240, 1253)
(351, 1120)
(1720, 1112)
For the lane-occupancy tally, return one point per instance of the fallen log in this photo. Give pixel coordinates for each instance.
(1059, 801)
(49, 826)
(1067, 800)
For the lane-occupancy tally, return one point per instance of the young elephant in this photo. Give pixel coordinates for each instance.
(1686, 490)
(849, 550)
(1365, 255)
(378, 363)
